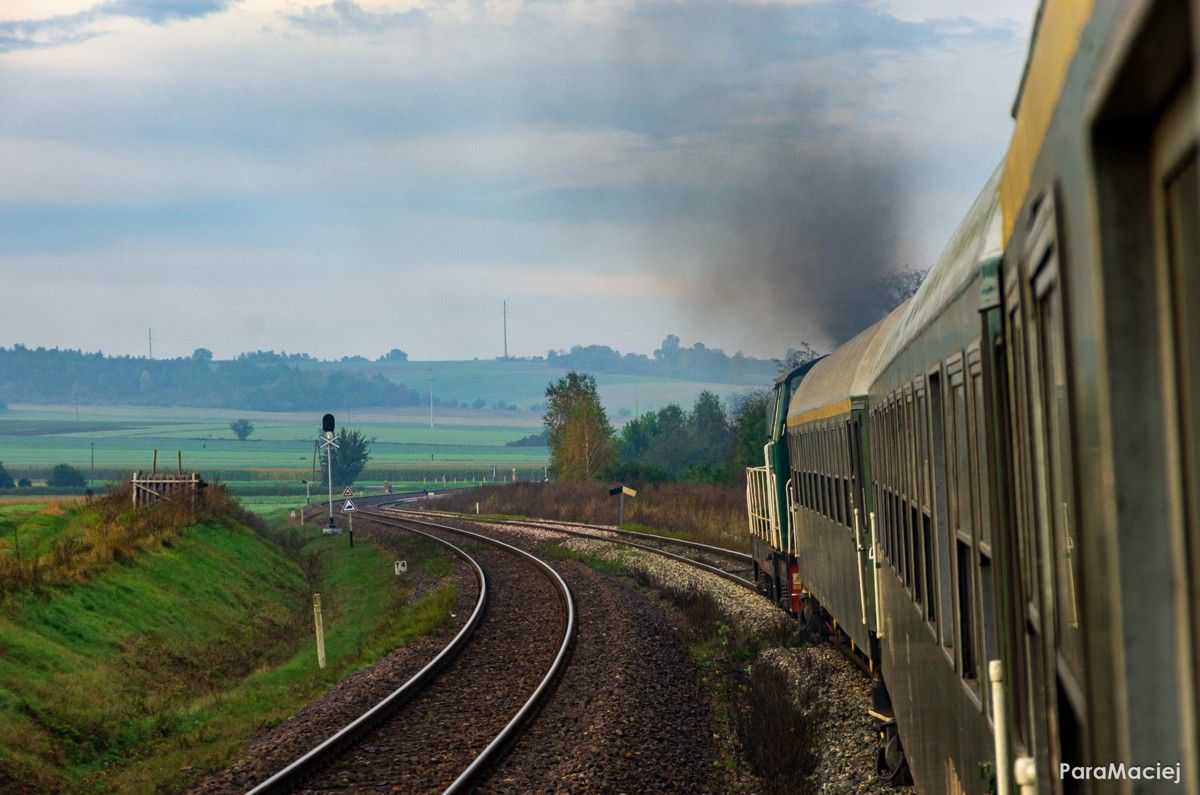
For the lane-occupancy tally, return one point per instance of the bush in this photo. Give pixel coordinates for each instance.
(777, 725)
(25, 483)
(6, 481)
(66, 476)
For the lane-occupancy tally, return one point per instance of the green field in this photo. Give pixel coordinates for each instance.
(463, 444)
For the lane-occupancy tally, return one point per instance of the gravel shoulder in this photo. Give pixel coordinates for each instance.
(846, 733)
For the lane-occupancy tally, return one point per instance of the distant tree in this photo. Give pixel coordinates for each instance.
(203, 355)
(6, 481)
(580, 436)
(3, 405)
(750, 429)
(66, 476)
(241, 429)
(708, 431)
(669, 350)
(24, 483)
(797, 356)
(903, 284)
(479, 403)
(351, 457)
(394, 355)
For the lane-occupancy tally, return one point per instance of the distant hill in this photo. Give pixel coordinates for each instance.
(269, 381)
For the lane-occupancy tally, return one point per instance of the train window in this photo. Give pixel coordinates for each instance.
(982, 472)
(991, 649)
(941, 530)
(927, 565)
(966, 609)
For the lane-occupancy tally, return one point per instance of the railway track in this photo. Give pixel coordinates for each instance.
(728, 564)
(448, 724)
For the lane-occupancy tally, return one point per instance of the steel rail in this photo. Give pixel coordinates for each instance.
(331, 747)
(500, 742)
(741, 581)
(730, 553)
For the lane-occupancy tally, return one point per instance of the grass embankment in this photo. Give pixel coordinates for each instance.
(709, 514)
(154, 668)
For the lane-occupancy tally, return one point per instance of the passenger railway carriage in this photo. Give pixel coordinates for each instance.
(994, 492)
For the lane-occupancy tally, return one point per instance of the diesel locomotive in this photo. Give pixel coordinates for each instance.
(992, 495)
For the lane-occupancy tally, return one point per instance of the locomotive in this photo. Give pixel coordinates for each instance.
(992, 495)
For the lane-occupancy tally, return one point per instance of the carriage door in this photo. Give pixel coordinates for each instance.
(1053, 491)
(1177, 235)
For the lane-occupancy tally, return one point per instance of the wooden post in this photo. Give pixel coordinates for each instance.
(320, 630)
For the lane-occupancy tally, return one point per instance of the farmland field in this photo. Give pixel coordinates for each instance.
(463, 444)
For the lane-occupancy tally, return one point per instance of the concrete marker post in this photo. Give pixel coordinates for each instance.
(320, 630)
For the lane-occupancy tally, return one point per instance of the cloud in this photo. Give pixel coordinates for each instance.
(465, 150)
(65, 29)
(341, 16)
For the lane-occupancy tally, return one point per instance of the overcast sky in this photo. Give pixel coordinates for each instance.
(348, 177)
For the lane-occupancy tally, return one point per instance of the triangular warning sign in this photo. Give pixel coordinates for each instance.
(348, 507)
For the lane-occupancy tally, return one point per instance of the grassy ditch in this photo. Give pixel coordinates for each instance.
(158, 667)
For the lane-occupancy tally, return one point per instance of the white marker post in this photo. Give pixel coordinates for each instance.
(320, 630)
(349, 509)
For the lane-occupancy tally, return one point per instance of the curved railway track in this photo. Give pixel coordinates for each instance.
(728, 564)
(725, 563)
(450, 722)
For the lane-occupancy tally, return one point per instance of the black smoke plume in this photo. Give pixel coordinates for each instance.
(810, 245)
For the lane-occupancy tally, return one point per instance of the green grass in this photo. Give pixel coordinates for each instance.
(161, 668)
(30, 529)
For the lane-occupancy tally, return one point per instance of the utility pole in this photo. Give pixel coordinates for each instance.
(506, 330)
(430, 397)
(150, 341)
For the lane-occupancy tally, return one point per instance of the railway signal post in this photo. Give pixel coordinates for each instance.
(329, 445)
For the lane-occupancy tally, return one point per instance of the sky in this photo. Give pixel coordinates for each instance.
(350, 177)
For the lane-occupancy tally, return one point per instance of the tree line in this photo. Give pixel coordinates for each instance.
(261, 381)
(670, 360)
(708, 443)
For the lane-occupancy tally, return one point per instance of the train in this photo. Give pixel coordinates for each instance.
(992, 495)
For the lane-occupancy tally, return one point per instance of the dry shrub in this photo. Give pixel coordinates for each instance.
(54, 508)
(711, 514)
(778, 729)
(116, 531)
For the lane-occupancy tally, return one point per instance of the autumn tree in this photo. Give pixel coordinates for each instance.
(581, 438)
